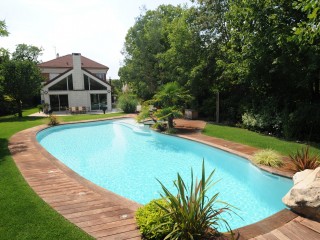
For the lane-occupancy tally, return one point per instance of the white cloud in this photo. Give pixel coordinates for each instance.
(95, 28)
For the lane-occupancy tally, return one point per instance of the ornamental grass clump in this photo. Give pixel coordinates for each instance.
(192, 213)
(268, 157)
(53, 120)
(302, 159)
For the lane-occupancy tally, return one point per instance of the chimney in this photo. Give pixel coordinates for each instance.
(57, 55)
(76, 58)
(77, 75)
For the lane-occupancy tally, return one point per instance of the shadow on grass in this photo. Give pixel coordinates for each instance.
(17, 119)
(4, 151)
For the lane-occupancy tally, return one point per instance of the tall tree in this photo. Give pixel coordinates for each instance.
(144, 42)
(27, 52)
(21, 80)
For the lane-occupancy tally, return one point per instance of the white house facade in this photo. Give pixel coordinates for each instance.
(75, 81)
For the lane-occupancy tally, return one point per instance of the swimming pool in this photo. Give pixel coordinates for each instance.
(127, 159)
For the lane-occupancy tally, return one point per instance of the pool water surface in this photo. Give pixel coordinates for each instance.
(127, 159)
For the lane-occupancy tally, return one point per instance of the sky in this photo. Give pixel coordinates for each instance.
(94, 28)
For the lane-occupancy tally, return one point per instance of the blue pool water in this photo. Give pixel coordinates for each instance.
(127, 159)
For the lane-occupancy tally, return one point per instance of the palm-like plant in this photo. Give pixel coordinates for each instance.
(170, 101)
(194, 214)
(304, 160)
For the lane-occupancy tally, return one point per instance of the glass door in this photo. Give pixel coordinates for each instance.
(98, 101)
(59, 102)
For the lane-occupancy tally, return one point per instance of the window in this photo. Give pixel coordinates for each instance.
(98, 101)
(101, 76)
(59, 102)
(63, 85)
(90, 84)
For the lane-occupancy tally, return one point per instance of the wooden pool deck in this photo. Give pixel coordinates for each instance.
(105, 215)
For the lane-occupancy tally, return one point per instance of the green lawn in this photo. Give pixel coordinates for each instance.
(23, 214)
(254, 139)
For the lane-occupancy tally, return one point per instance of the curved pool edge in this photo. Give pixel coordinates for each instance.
(248, 157)
(32, 160)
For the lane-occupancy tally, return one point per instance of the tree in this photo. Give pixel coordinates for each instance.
(27, 52)
(21, 80)
(145, 42)
(3, 29)
(169, 102)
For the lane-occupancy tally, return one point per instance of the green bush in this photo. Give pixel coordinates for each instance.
(265, 121)
(268, 157)
(194, 214)
(150, 217)
(128, 102)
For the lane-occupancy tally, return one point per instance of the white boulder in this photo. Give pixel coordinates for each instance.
(304, 196)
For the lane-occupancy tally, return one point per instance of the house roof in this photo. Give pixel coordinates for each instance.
(87, 71)
(67, 62)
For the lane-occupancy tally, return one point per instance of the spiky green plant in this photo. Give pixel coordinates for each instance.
(268, 157)
(302, 159)
(194, 214)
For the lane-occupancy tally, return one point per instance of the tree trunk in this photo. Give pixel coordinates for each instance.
(217, 107)
(19, 108)
(170, 122)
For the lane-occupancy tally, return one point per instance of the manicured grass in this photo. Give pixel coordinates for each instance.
(23, 214)
(254, 139)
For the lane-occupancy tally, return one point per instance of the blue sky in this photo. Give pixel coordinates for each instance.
(95, 28)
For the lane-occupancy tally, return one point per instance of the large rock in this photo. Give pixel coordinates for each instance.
(304, 196)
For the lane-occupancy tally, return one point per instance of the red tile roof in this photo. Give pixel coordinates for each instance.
(67, 62)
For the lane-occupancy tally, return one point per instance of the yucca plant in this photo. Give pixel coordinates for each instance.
(194, 214)
(302, 159)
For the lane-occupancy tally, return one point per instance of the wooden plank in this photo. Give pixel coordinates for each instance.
(296, 231)
(110, 225)
(279, 235)
(114, 231)
(315, 226)
(122, 236)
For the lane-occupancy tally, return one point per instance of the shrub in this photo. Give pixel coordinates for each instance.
(150, 216)
(265, 121)
(53, 120)
(193, 213)
(302, 159)
(128, 102)
(268, 157)
(303, 123)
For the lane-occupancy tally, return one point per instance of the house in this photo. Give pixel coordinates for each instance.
(73, 81)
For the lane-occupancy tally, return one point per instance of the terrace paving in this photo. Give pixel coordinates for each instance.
(105, 215)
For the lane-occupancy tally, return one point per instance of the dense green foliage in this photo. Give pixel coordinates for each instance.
(261, 56)
(23, 214)
(20, 78)
(21, 81)
(254, 139)
(128, 102)
(268, 157)
(194, 214)
(152, 220)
